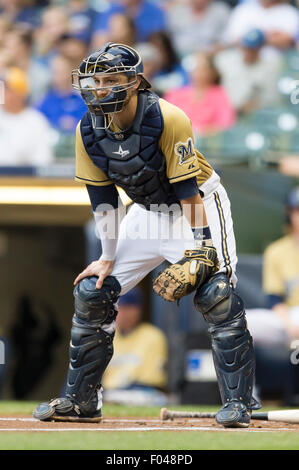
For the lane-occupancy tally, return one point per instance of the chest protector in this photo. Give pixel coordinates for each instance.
(132, 159)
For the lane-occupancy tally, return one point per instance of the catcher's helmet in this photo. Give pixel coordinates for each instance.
(112, 59)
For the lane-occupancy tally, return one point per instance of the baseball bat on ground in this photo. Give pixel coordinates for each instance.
(167, 414)
(286, 416)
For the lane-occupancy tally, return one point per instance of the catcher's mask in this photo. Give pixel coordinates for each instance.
(110, 61)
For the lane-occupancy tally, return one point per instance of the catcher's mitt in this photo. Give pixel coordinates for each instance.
(187, 274)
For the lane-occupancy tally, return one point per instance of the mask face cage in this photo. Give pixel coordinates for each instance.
(105, 65)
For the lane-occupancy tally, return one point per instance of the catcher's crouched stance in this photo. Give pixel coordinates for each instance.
(133, 139)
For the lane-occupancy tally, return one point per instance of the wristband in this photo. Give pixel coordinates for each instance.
(202, 236)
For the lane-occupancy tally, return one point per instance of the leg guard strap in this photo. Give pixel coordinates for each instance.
(91, 350)
(234, 360)
(91, 347)
(232, 345)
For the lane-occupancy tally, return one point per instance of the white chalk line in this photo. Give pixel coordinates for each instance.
(141, 429)
(18, 419)
(104, 420)
(182, 428)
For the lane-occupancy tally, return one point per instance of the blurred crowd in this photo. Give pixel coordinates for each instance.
(217, 60)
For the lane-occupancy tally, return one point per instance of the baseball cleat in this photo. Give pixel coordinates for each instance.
(233, 414)
(63, 409)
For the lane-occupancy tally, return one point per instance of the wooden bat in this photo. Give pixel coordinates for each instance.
(167, 414)
(286, 416)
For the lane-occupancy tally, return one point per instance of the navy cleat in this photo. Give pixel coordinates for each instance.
(63, 409)
(233, 414)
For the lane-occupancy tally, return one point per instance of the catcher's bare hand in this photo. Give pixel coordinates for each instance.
(187, 274)
(100, 268)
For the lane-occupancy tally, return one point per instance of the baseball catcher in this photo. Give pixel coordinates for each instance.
(131, 139)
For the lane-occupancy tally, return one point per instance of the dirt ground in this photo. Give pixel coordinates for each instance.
(24, 423)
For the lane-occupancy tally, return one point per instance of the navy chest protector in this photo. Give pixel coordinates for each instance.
(132, 159)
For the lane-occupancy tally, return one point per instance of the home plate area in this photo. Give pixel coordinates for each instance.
(23, 423)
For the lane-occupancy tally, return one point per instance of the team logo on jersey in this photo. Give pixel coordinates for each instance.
(122, 153)
(185, 151)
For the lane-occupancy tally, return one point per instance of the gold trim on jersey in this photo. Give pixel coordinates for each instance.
(223, 235)
(93, 181)
(183, 176)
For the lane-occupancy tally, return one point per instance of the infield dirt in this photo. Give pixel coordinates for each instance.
(25, 423)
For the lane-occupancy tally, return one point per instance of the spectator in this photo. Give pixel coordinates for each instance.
(73, 47)
(4, 60)
(5, 26)
(289, 165)
(25, 135)
(278, 20)
(19, 44)
(62, 106)
(204, 100)
(275, 330)
(281, 271)
(171, 73)
(54, 24)
(122, 29)
(152, 60)
(140, 350)
(197, 25)
(250, 78)
(24, 12)
(81, 19)
(280, 323)
(148, 19)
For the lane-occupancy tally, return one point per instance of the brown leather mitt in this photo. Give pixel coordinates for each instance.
(187, 274)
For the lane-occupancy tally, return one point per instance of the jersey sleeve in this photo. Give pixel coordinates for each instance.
(177, 144)
(86, 171)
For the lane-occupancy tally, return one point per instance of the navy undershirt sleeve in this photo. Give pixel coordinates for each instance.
(273, 300)
(103, 195)
(186, 189)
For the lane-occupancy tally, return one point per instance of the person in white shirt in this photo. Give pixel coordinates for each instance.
(278, 20)
(250, 78)
(25, 135)
(197, 25)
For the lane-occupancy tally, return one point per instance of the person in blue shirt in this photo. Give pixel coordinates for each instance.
(61, 105)
(148, 18)
(81, 17)
(171, 74)
(26, 13)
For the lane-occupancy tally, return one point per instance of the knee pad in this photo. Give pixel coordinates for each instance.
(94, 305)
(217, 301)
